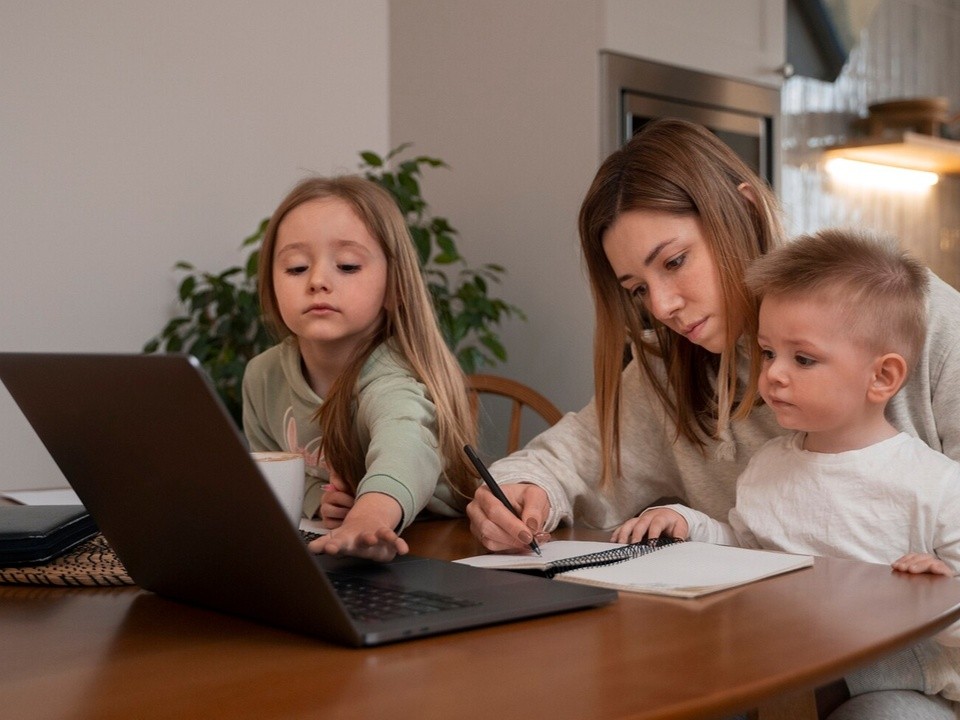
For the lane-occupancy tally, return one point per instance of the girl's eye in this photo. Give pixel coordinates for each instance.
(804, 361)
(766, 355)
(296, 270)
(348, 268)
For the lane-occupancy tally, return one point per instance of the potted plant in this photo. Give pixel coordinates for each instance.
(221, 324)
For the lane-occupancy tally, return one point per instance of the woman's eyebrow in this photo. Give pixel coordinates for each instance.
(652, 255)
(648, 260)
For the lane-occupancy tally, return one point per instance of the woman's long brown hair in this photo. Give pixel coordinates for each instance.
(673, 166)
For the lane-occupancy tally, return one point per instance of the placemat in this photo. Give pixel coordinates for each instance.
(90, 564)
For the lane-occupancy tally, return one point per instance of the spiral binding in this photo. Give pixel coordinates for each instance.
(610, 557)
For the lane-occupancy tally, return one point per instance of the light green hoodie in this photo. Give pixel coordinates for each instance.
(396, 424)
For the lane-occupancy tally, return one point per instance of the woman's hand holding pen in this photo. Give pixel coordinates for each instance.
(497, 528)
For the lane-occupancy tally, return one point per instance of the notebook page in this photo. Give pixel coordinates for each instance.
(690, 569)
(552, 551)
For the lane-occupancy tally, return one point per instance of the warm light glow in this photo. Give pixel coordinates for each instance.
(881, 176)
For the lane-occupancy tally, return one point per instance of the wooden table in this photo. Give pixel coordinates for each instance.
(123, 653)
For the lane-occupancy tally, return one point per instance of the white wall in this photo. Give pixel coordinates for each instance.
(507, 94)
(136, 133)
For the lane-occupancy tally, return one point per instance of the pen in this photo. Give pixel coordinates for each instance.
(495, 489)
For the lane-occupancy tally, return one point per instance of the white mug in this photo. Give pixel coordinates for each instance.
(284, 472)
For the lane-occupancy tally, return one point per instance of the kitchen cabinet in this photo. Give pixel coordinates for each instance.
(741, 39)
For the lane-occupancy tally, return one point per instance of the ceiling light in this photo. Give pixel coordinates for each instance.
(880, 176)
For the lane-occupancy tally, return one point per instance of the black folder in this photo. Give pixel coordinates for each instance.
(35, 534)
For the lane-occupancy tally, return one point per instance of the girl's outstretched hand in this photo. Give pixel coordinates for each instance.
(367, 531)
(337, 501)
(497, 528)
(922, 563)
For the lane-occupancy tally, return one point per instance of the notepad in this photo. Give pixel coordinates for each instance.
(680, 569)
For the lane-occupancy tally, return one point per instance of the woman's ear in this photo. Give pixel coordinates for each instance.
(749, 192)
(889, 374)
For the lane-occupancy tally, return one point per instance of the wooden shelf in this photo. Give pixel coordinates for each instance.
(908, 149)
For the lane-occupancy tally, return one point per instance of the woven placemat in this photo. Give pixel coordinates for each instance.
(90, 564)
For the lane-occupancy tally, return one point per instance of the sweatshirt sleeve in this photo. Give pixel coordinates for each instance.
(565, 461)
(402, 457)
(946, 541)
(703, 528)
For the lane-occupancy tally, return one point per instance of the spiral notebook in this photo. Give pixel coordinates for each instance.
(672, 567)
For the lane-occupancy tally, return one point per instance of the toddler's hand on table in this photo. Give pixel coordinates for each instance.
(652, 524)
(917, 563)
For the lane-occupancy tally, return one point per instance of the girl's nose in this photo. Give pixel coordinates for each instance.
(318, 281)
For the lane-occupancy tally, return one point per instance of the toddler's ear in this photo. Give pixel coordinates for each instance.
(889, 374)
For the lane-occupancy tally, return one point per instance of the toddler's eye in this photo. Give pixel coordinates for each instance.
(296, 270)
(347, 268)
(804, 361)
(766, 355)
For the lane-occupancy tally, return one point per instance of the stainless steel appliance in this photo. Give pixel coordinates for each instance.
(744, 115)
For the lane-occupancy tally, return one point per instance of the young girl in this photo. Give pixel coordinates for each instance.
(339, 284)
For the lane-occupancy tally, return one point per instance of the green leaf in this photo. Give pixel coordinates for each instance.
(187, 287)
(421, 240)
(371, 158)
(256, 237)
(441, 226)
(253, 262)
(398, 149)
(492, 343)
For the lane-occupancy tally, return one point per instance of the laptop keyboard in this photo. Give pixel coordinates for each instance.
(366, 600)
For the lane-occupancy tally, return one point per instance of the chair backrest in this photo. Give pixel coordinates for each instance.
(520, 396)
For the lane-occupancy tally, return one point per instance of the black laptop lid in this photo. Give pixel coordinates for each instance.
(152, 454)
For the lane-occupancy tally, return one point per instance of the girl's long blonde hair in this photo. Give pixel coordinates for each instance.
(673, 166)
(409, 322)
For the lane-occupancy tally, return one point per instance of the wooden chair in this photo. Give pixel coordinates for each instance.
(520, 396)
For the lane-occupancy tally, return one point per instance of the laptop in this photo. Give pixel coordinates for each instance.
(156, 459)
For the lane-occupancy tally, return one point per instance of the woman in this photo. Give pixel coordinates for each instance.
(667, 229)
